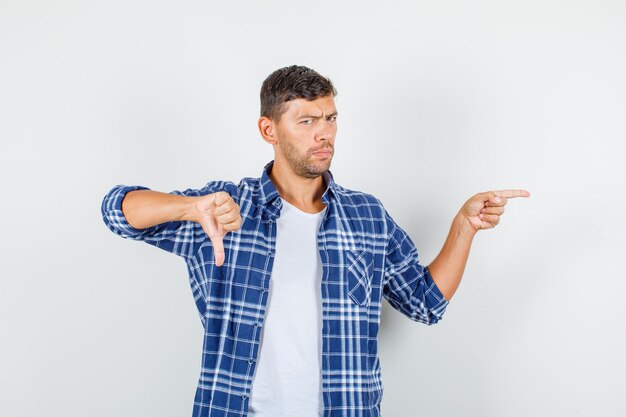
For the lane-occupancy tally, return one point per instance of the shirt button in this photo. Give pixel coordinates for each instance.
(244, 396)
(277, 202)
(256, 324)
(250, 361)
(269, 252)
(263, 290)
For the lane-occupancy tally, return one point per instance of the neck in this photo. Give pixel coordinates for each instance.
(304, 193)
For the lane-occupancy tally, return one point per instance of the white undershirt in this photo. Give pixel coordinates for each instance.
(287, 379)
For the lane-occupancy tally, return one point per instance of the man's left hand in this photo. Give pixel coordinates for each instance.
(483, 210)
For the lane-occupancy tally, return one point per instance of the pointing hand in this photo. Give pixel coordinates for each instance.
(218, 214)
(483, 210)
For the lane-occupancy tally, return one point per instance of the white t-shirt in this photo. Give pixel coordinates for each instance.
(287, 379)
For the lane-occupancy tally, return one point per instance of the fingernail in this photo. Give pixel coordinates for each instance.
(497, 199)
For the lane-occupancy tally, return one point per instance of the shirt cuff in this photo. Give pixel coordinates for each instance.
(435, 300)
(112, 213)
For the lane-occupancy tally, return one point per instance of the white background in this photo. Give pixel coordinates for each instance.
(438, 100)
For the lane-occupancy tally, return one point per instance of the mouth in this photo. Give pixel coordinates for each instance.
(323, 153)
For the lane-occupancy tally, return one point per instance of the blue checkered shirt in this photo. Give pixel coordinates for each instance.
(365, 256)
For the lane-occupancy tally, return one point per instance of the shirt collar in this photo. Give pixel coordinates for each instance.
(268, 192)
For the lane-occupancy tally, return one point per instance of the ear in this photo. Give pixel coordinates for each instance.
(267, 128)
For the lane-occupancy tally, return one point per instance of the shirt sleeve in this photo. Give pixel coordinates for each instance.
(181, 238)
(407, 285)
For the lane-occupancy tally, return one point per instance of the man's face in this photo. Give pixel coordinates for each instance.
(307, 127)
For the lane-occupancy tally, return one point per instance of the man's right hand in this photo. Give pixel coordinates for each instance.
(218, 214)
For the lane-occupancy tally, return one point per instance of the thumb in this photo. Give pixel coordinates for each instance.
(216, 238)
(218, 249)
(215, 231)
(493, 198)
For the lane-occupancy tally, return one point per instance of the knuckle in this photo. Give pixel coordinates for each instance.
(222, 194)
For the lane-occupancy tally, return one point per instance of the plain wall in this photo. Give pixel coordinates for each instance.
(438, 101)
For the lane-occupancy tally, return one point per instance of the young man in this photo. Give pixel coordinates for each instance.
(288, 270)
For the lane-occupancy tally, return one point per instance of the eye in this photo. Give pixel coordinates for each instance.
(332, 118)
(307, 121)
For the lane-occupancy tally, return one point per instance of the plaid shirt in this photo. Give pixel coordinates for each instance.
(365, 256)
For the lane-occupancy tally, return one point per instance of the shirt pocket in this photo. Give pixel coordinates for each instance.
(359, 279)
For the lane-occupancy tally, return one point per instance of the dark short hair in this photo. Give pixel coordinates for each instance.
(290, 83)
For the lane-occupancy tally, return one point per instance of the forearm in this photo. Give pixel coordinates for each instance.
(448, 267)
(146, 208)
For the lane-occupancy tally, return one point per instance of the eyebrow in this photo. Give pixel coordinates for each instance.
(310, 116)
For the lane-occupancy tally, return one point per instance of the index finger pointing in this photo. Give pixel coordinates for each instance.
(512, 193)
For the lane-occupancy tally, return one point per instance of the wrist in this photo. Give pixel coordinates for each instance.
(187, 209)
(463, 227)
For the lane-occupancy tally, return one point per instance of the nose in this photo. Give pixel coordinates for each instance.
(326, 130)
